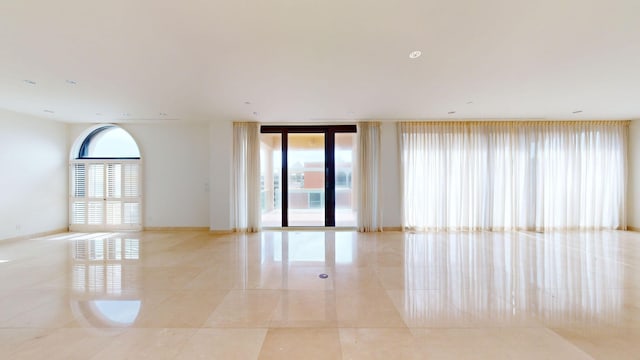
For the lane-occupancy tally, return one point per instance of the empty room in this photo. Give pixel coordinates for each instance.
(320, 180)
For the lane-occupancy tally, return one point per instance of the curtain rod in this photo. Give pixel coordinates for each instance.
(521, 123)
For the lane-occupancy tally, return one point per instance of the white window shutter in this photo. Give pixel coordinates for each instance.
(96, 180)
(105, 195)
(131, 180)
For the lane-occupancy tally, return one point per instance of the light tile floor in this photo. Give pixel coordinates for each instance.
(308, 217)
(189, 295)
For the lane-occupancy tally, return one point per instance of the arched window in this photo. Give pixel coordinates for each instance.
(108, 142)
(105, 175)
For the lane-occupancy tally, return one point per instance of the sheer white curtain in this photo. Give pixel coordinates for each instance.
(246, 177)
(581, 176)
(513, 175)
(369, 194)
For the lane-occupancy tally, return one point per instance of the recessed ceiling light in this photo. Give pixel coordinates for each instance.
(255, 113)
(49, 111)
(30, 82)
(125, 114)
(247, 102)
(163, 114)
(469, 102)
(577, 112)
(71, 82)
(451, 112)
(415, 54)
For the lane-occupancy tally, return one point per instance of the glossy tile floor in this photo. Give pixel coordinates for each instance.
(189, 295)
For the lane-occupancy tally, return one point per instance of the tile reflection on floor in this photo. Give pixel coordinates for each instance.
(185, 295)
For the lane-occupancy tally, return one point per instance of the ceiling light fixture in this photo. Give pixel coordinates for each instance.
(30, 82)
(415, 54)
(451, 112)
(247, 102)
(255, 113)
(71, 82)
(125, 114)
(469, 102)
(577, 112)
(99, 114)
(49, 111)
(163, 114)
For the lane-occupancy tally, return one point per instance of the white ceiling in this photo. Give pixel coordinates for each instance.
(320, 60)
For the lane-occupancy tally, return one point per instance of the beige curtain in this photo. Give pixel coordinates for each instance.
(369, 165)
(246, 177)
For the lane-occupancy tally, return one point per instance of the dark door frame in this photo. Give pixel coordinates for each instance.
(329, 132)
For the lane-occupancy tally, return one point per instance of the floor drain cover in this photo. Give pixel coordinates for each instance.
(323, 276)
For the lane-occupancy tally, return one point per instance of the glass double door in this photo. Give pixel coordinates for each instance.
(307, 176)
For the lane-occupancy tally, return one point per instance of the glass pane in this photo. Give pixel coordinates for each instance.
(78, 180)
(114, 212)
(306, 179)
(114, 180)
(96, 213)
(112, 142)
(96, 180)
(132, 213)
(131, 180)
(345, 192)
(79, 213)
(270, 175)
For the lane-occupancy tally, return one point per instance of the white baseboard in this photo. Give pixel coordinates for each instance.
(176, 228)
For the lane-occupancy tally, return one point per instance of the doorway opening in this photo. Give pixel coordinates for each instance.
(307, 175)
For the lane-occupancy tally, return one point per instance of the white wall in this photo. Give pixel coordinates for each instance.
(391, 202)
(633, 182)
(33, 175)
(221, 133)
(176, 172)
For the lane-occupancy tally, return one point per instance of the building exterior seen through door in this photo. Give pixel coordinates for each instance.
(307, 175)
